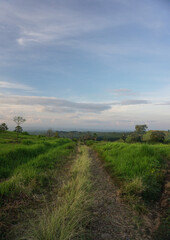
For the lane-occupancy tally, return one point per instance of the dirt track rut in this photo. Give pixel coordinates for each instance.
(112, 219)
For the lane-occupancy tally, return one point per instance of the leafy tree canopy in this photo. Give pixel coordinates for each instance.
(18, 120)
(50, 133)
(141, 129)
(3, 127)
(18, 129)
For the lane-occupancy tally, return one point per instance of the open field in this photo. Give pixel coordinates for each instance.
(137, 168)
(36, 175)
(25, 167)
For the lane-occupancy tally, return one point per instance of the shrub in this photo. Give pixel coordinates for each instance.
(134, 137)
(25, 133)
(157, 136)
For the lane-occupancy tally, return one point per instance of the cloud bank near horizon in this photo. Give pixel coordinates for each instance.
(43, 112)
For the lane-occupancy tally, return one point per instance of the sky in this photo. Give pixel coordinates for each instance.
(85, 64)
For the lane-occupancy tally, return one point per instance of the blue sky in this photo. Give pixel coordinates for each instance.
(85, 64)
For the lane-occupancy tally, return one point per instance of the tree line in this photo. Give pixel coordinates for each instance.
(136, 136)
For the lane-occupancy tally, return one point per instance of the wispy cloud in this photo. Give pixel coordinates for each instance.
(164, 103)
(135, 102)
(47, 24)
(12, 85)
(64, 113)
(123, 92)
(52, 104)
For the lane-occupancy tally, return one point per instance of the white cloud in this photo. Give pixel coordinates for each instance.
(42, 112)
(12, 85)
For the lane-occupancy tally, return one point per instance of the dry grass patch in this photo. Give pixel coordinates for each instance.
(68, 217)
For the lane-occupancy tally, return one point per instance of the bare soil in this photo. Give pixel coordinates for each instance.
(111, 218)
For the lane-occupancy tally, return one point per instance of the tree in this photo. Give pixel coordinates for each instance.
(3, 127)
(56, 135)
(18, 129)
(95, 136)
(18, 120)
(124, 137)
(137, 135)
(141, 129)
(157, 136)
(49, 133)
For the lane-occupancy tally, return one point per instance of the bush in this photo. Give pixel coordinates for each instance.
(134, 137)
(25, 133)
(157, 136)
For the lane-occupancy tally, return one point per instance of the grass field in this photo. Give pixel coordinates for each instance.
(69, 216)
(137, 168)
(25, 167)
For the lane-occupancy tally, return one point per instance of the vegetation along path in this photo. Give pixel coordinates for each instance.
(84, 206)
(111, 219)
(68, 216)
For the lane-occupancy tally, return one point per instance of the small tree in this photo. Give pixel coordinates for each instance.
(18, 129)
(95, 136)
(157, 136)
(18, 120)
(56, 135)
(50, 133)
(124, 137)
(3, 127)
(138, 133)
(141, 129)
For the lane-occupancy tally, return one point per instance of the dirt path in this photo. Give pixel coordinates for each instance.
(20, 211)
(111, 219)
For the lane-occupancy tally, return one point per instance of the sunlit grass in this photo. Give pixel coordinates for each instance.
(28, 167)
(67, 219)
(137, 167)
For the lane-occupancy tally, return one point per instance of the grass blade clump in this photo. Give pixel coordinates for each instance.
(67, 219)
(138, 168)
(33, 174)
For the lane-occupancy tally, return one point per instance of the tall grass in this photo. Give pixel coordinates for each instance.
(14, 158)
(10, 159)
(137, 167)
(33, 174)
(67, 219)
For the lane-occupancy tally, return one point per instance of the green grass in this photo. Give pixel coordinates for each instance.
(26, 168)
(68, 218)
(11, 159)
(138, 168)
